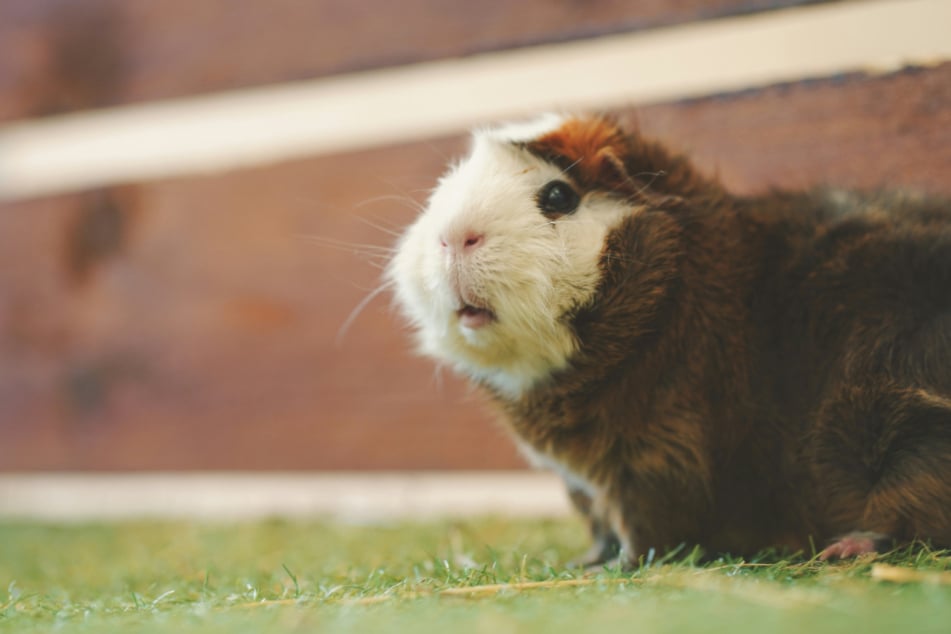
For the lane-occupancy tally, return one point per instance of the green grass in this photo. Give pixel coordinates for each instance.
(296, 576)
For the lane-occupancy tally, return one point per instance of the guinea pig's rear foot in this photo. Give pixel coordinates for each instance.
(880, 454)
(854, 544)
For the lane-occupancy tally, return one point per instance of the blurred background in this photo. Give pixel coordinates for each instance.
(195, 196)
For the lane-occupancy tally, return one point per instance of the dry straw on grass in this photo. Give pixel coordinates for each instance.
(896, 574)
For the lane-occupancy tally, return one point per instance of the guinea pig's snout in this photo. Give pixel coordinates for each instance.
(461, 243)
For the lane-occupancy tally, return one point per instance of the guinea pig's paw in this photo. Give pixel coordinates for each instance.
(603, 553)
(853, 545)
(620, 563)
(616, 564)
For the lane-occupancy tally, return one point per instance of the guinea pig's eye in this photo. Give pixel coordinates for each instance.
(557, 197)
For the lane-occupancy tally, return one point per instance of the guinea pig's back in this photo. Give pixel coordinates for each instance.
(869, 293)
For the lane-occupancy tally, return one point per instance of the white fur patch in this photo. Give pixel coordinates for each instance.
(529, 270)
(520, 131)
(541, 460)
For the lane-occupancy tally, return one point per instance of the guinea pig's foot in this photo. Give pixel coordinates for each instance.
(601, 552)
(619, 563)
(853, 545)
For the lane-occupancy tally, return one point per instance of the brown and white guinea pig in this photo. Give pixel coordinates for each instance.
(702, 368)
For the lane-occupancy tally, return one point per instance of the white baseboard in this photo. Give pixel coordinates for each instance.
(350, 497)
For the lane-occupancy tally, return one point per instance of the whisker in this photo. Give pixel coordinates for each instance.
(564, 172)
(654, 176)
(387, 222)
(408, 201)
(438, 152)
(438, 383)
(351, 247)
(391, 232)
(348, 322)
(623, 258)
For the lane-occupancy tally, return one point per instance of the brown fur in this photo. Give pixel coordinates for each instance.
(753, 372)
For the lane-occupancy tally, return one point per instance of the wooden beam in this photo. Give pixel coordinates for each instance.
(344, 113)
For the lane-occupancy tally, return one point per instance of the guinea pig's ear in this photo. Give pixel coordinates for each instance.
(607, 171)
(592, 150)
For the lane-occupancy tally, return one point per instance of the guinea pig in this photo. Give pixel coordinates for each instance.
(702, 368)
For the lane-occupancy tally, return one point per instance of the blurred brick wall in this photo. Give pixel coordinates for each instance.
(195, 323)
(63, 55)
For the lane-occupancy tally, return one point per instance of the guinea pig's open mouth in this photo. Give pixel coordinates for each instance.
(474, 317)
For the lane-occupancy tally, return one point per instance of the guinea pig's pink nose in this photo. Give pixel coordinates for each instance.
(462, 242)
